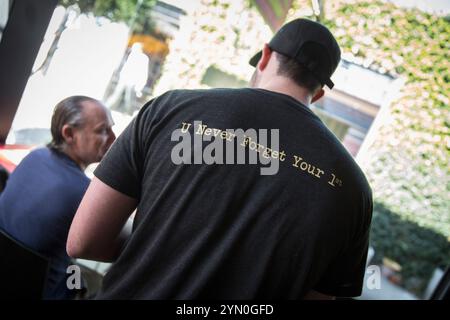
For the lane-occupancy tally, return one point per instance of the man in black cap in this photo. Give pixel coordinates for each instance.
(308, 61)
(227, 229)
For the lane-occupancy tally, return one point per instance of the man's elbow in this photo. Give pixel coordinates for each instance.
(78, 249)
(74, 248)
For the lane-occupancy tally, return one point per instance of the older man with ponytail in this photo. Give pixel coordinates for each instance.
(44, 191)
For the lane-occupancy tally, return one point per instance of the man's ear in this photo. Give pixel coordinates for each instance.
(265, 57)
(67, 133)
(318, 95)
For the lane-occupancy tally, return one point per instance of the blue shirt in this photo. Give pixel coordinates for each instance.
(37, 207)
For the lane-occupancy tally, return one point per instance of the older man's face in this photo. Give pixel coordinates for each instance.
(95, 136)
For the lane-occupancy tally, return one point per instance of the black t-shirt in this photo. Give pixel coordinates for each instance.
(225, 231)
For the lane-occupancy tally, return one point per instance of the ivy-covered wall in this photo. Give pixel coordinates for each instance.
(408, 162)
(408, 165)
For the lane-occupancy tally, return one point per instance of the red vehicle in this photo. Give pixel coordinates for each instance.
(11, 155)
(24, 140)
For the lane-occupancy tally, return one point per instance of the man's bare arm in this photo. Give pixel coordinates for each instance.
(95, 233)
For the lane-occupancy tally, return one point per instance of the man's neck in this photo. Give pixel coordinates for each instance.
(68, 152)
(287, 87)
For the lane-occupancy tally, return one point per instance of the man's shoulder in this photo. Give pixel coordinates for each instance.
(40, 152)
(46, 155)
(174, 99)
(345, 163)
(360, 181)
(213, 92)
(34, 157)
(57, 165)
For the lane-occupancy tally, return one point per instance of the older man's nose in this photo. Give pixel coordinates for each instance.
(111, 137)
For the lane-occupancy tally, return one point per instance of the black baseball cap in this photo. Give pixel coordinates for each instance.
(311, 44)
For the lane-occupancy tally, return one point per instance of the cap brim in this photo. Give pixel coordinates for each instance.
(255, 59)
(329, 83)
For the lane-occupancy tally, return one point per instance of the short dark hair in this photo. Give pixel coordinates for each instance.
(68, 111)
(298, 73)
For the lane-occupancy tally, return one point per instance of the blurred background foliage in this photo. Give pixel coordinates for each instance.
(409, 170)
(132, 12)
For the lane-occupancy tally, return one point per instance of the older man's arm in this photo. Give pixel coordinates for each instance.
(95, 233)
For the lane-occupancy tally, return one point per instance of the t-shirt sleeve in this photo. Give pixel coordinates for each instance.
(122, 166)
(345, 276)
